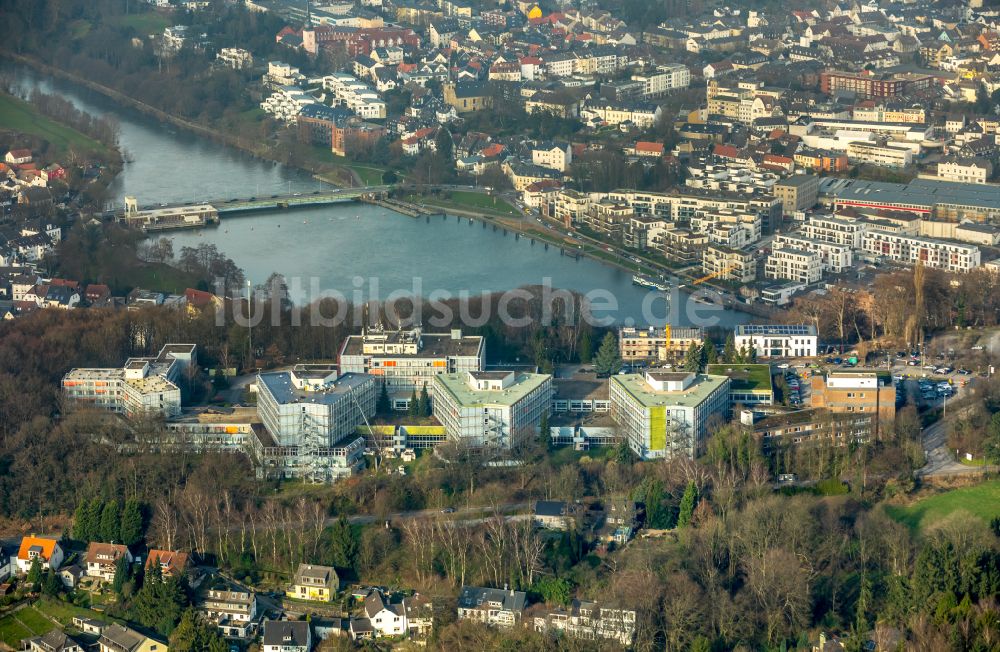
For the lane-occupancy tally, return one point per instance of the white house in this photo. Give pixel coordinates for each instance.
(46, 549)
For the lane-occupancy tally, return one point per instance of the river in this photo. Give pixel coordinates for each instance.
(354, 248)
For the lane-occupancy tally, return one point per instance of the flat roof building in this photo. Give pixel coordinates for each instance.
(142, 386)
(407, 360)
(664, 414)
(750, 384)
(778, 340)
(498, 409)
(312, 415)
(650, 344)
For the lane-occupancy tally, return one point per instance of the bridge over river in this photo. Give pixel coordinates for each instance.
(193, 214)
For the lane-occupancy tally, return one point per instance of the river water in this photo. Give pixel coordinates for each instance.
(354, 248)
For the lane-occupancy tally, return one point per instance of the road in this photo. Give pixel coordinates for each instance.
(484, 512)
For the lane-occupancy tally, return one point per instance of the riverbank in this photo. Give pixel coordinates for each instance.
(329, 173)
(22, 117)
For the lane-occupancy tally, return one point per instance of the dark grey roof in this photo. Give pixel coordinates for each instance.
(550, 508)
(474, 597)
(288, 633)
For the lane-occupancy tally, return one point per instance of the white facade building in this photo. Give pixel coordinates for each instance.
(910, 250)
(142, 386)
(834, 258)
(665, 414)
(793, 264)
(778, 340)
(497, 409)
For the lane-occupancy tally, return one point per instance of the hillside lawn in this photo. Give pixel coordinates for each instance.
(18, 116)
(981, 501)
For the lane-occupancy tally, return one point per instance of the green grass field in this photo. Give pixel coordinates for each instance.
(21, 624)
(981, 501)
(62, 611)
(17, 115)
(11, 632)
(480, 200)
(35, 621)
(148, 23)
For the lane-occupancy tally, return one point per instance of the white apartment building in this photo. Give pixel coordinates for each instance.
(408, 360)
(588, 620)
(884, 155)
(494, 409)
(280, 73)
(235, 58)
(497, 607)
(969, 171)
(834, 257)
(793, 264)
(909, 250)
(778, 340)
(728, 264)
(175, 37)
(665, 414)
(555, 156)
(233, 612)
(286, 102)
(643, 116)
(665, 78)
(143, 386)
(351, 93)
(835, 230)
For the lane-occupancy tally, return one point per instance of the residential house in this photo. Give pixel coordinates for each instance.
(499, 607)
(172, 563)
(46, 549)
(71, 575)
(102, 559)
(89, 625)
(588, 620)
(118, 638)
(18, 157)
(313, 582)
(286, 636)
(553, 514)
(234, 612)
(54, 641)
(386, 618)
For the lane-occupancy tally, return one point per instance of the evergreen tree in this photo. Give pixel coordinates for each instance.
(729, 349)
(692, 359)
(383, 407)
(443, 143)
(161, 602)
(709, 354)
(52, 584)
(343, 544)
(35, 574)
(123, 571)
(83, 527)
(94, 511)
(131, 529)
(193, 635)
(545, 433)
(425, 402)
(585, 347)
(608, 361)
(110, 522)
(688, 502)
(414, 409)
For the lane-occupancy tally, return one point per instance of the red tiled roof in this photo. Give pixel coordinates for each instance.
(493, 149)
(647, 146)
(198, 298)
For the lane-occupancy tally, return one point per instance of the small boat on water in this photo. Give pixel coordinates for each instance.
(642, 281)
(662, 287)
